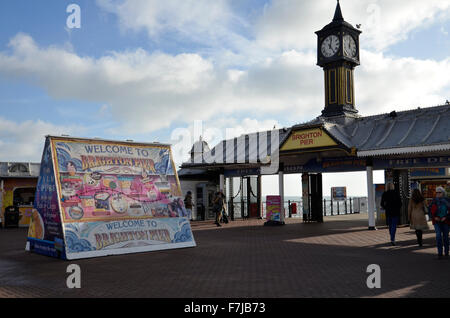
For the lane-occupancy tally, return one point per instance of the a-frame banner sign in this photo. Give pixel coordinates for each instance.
(98, 197)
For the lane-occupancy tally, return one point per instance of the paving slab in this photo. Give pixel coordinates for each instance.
(242, 259)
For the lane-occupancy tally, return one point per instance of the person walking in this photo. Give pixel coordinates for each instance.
(218, 207)
(188, 204)
(224, 210)
(440, 217)
(416, 214)
(391, 203)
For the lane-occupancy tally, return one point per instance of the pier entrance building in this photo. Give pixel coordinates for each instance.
(412, 147)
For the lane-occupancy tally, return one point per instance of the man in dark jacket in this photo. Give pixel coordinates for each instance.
(391, 203)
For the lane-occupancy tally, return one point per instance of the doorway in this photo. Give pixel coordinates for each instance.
(246, 202)
(312, 197)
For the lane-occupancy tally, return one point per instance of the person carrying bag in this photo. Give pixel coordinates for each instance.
(224, 213)
(416, 214)
(439, 208)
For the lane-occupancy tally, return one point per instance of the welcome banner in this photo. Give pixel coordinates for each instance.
(98, 197)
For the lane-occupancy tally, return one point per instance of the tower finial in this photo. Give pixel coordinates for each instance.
(338, 13)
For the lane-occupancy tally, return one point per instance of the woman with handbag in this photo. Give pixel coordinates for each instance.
(416, 214)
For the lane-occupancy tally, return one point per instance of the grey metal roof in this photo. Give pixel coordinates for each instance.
(19, 169)
(245, 149)
(188, 172)
(411, 131)
(417, 130)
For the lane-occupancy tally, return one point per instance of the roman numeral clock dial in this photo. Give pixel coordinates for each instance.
(349, 46)
(330, 46)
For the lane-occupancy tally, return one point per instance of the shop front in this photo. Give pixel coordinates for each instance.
(428, 179)
(18, 187)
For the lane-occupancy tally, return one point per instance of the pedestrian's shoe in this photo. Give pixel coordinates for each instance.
(440, 257)
(217, 224)
(393, 243)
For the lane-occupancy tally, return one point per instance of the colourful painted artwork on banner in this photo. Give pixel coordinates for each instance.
(116, 197)
(45, 226)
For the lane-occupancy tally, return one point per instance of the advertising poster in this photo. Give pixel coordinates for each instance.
(381, 213)
(45, 227)
(339, 193)
(273, 208)
(427, 172)
(110, 198)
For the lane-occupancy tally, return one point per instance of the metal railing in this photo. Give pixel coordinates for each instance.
(330, 208)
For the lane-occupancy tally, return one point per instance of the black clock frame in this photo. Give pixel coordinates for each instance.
(338, 69)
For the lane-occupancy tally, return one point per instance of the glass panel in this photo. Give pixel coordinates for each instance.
(24, 196)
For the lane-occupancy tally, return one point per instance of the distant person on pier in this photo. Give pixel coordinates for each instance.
(218, 206)
(416, 214)
(391, 203)
(188, 204)
(440, 216)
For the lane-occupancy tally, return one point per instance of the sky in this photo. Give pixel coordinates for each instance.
(148, 70)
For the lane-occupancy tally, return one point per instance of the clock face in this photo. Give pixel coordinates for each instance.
(349, 46)
(330, 45)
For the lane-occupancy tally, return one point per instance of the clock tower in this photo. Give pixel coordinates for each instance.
(338, 54)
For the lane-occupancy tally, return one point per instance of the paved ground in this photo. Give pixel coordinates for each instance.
(242, 259)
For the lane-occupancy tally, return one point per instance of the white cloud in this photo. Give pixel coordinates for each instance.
(199, 21)
(149, 91)
(289, 24)
(243, 70)
(383, 84)
(24, 141)
(146, 92)
(139, 87)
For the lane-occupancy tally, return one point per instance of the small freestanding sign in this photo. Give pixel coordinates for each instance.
(273, 208)
(98, 197)
(381, 213)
